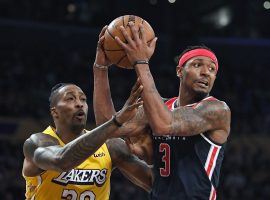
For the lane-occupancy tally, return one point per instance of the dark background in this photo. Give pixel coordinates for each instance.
(45, 42)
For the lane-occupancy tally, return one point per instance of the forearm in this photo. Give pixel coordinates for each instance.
(102, 102)
(72, 154)
(140, 174)
(158, 115)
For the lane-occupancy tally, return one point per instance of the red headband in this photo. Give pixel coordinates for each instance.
(198, 52)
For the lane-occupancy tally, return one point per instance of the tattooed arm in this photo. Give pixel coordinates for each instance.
(136, 170)
(43, 152)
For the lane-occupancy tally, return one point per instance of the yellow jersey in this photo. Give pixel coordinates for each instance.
(88, 181)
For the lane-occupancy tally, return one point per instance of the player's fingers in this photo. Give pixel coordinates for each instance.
(135, 105)
(135, 86)
(101, 42)
(153, 42)
(142, 33)
(121, 44)
(135, 95)
(127, 36)
(134, 32)
(139, 80)
(102, 31)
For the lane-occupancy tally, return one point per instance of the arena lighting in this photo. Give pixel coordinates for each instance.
(171, 1)
(223, 17)
(266, 5)
(219, 18)
(71, 8)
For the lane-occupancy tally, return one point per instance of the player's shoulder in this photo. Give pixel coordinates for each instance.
(40, 140)
(213, 103)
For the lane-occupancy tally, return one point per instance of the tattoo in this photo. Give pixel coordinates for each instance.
(47, 154)
(118, 151)
(81, 148)
(133, 168)
(207, 116)
(140, 115)
(37, 140)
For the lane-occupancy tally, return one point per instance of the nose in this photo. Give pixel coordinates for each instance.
(205, 70)
(79, 103)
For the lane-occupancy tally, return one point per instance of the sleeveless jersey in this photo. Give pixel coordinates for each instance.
(186, 168)
(88, 181)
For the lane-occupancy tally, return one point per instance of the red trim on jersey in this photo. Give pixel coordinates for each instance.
(213, 194)
(170, 102)
(210, 165)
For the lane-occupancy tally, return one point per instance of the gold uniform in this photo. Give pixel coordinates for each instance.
(88, 181)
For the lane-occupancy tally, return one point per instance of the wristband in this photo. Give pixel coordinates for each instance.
(140, 62)
(102, 67)
(115, 121)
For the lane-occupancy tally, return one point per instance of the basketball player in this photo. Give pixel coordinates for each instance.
(189, 131)
(68, 162)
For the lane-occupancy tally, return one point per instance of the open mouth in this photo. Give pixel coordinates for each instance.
(80, 114)
(203, 83)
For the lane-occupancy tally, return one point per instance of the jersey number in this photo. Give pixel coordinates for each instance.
(72, 195)
(165, 171)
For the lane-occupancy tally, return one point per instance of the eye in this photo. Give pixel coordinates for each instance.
(83, 99)
(212, 68)
(196, 65)
(70, 98)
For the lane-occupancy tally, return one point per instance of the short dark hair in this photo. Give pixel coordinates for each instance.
(189, 48)
(54, 93)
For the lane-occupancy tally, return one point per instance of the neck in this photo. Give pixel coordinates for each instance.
(66, 134)
(186, 97)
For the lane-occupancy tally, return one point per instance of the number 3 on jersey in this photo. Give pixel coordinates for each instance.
(166, 150)
(72, 195)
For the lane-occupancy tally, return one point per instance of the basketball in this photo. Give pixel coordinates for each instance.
(113, 51)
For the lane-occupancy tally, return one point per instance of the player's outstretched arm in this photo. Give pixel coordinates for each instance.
(43, 152)
(136, 170)
(102, 101)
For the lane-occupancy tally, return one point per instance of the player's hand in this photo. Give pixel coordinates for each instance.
(137, 48)
(130, 108)
(101, 58)
(141, 146)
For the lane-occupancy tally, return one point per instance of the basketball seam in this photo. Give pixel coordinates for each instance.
(113, 49)
(121, 59)
(110, 34)
(123, 21)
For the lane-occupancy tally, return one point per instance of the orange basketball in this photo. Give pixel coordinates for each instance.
(113, 51)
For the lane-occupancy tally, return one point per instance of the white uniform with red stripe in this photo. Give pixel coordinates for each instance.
(186, 168)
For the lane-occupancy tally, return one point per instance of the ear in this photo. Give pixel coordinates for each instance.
(54, 112)
(179, 71)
